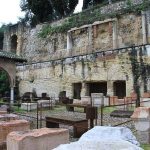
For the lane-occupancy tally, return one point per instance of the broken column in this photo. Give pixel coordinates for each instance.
(141, 118)
(38, 139)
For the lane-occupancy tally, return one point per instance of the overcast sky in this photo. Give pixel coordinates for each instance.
(10, 11)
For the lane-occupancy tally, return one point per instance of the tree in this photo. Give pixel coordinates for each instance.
(2, 28)
(39, 11)
(63, 8)
(88, 3)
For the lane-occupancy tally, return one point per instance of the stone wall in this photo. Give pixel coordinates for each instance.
(103, 35)
(61, 59)
(52, 80)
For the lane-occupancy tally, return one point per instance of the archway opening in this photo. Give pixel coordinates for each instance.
(14, 43)
(4, 83)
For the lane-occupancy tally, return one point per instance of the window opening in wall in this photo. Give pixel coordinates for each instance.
(77, 90)
(97, 87)
(55, 44)
(120, 89)
(1, 40)
(14, 43)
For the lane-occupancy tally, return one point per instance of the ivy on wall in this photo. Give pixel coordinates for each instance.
(140, 70)
(91, 15)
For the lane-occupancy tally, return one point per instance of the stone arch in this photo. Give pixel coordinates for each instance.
(13, 43)
(9, 68)
(9, 78)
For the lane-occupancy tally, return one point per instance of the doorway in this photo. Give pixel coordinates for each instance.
(120, 89)
(97, 87)
(77, 90)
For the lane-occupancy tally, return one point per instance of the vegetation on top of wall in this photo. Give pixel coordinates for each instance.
(89, 16)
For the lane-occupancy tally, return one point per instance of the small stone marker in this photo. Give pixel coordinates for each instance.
(38, 139)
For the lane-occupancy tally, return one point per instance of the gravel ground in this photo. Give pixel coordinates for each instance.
(61, 111)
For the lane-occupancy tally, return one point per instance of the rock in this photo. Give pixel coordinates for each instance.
(109, 133)
(104, 138)
(99, 145)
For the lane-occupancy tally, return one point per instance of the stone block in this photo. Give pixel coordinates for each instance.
(145, 102)
(97, 99)
(113, 100)
(12, 125)
(76, 101)
(3, 112)
(106, 101)
(38, 139)
(141, 118)
(45, 103)
(85, 100)
(8, 117)
(29, 106)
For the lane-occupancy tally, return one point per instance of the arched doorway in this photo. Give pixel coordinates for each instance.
(9, 71)
(14, 43)
(4, 83)
(8, 63)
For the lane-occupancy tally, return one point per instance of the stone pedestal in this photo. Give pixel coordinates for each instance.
(97, 99)
(141, 118)
(38, 139)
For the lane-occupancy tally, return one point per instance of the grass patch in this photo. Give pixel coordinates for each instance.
(18, 110)
(58, 108)
(108, 110)
(145, 146)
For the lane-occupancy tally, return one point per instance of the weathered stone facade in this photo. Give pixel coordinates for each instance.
(82, 57)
